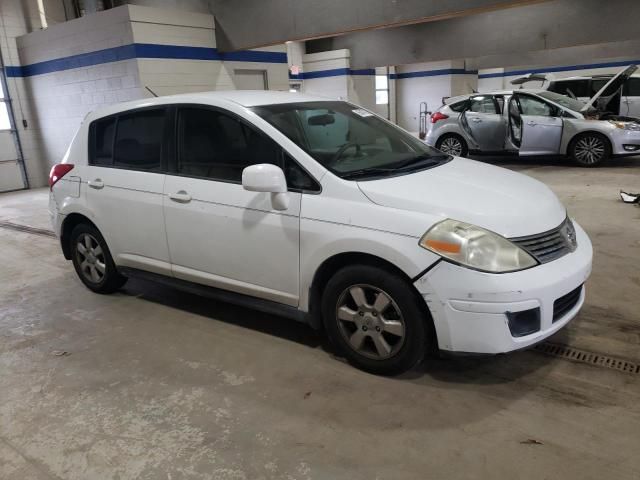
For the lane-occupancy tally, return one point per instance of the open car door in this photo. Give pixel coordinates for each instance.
(483, 122)
(534, 126)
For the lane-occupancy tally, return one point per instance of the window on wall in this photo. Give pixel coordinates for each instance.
(382, 89)
(5, 124)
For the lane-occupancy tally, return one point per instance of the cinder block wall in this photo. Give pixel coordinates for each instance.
(75, 67)
(17, 18)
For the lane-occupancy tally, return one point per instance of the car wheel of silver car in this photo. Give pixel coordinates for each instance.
(452, 145)
(590, 149)
(92, 260)
(375, 319)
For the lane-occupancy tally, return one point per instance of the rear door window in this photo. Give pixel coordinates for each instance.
(483, 104)
(139, 139)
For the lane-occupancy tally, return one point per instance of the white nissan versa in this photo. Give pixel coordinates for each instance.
(321, 211)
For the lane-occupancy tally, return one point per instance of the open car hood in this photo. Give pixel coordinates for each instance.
(604, 95)
(531, 77)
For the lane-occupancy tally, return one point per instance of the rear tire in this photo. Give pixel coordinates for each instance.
(453, 144)
(589, 149)
(92, 260)
(375, 320)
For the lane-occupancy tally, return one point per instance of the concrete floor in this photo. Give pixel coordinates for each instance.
(158, 384)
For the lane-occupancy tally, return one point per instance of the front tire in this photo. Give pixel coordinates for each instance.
(453, 144)
(590, 149)
(92, 260)
(375, 320)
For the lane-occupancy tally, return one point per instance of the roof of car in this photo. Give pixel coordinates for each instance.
(459, 98)
(246, 98)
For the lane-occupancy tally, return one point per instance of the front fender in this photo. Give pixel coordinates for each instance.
(321, 241)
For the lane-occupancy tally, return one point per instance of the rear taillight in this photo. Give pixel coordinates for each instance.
(58, 171)
(438, 116)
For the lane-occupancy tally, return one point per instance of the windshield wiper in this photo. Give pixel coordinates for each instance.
(363, 172)
(419, 159)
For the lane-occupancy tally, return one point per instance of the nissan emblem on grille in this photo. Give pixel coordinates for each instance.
(548, 246)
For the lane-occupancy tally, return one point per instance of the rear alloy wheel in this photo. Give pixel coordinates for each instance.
(92, 260)
(452, 145)
(590, 149)
(375, 319)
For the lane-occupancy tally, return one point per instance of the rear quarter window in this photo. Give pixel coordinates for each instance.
(458, 106)
(101, 134)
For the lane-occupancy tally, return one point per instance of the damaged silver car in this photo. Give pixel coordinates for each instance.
(537, 122)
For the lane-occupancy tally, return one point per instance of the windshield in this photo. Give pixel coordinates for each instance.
(563, 100)
(350, 141)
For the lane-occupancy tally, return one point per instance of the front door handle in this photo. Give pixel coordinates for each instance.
(97, 183)
(180, 197)
(476, 119)
(532, 123)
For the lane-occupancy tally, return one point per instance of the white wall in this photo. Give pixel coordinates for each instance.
(335, 87)
(18, 17)
(410, 92)
(59, 100)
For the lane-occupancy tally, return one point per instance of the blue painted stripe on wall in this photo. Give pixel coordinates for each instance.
(334, 72)
(565, 68)
(432, 73)
(142, 50)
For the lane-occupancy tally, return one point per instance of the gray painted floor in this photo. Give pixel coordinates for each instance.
(157, 384)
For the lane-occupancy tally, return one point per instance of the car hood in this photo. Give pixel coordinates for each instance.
(494, 198)
(603, 96)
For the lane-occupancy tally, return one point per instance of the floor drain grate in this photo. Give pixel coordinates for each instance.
(592, 358)
(26, 229)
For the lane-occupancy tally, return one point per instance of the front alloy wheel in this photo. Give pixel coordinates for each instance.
(590, 150)
(375, 319)
(370, 321)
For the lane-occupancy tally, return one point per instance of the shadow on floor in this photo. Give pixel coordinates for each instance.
(481, 370)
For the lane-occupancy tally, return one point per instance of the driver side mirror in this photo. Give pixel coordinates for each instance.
(266, 177)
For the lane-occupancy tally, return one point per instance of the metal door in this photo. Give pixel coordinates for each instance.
(12, 173)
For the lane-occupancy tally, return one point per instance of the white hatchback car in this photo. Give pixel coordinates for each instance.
(321, 211)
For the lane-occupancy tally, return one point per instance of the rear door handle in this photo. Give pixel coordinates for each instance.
(532, 123)
(180, 197)
(476, 119)
(97, 183)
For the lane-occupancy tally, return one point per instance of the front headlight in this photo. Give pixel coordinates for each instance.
(475, 247)
(625, 125)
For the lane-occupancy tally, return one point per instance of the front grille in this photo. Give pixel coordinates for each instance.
(548, 246)
(565, 303)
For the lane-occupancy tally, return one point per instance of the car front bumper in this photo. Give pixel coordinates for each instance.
(623, 142)
(469, 308)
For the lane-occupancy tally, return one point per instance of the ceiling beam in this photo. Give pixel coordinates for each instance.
(243, 24)
(534, 28)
